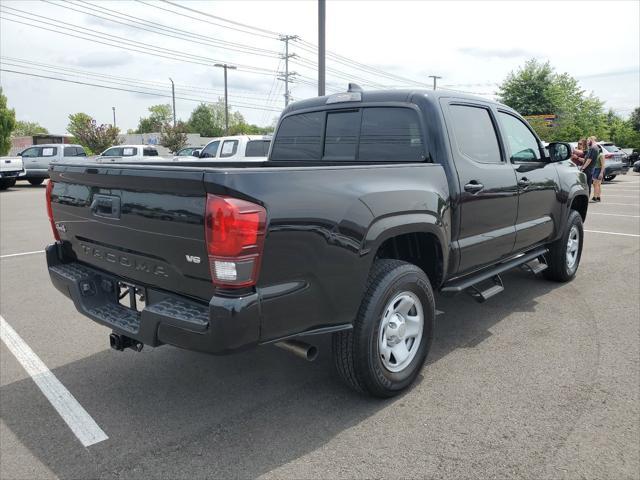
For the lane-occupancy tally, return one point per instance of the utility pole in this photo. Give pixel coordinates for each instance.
(321, 46)
(435, 78)
(226, 96)
(114, 116)
(173, 98)
(286, 57)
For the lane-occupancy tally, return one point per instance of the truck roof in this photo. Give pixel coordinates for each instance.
(391, 95)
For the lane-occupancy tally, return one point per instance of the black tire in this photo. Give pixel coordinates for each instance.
(356, 352)
(559, 269)
(35, 181)
(6, 183)
(608, 178)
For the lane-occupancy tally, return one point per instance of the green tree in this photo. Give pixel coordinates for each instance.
(529, 90)
(96, 138)
(27, 129)
(174, 138)
(7, 124)
(207, 120)
(635, 119)
(159, 115)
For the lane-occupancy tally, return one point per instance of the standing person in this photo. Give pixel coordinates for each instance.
(577, 156)
(590, 160)
(598, 175)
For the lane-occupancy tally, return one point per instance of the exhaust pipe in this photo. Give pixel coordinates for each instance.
(120, 342)
(300, 349)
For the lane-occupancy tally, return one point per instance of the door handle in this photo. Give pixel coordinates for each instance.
(524, 182)
(473, 186)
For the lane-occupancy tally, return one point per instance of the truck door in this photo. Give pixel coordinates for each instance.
(488, 194)
(538, 194)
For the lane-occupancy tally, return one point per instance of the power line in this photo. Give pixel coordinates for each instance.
(167, 95)
(131, 45)
(145, 25)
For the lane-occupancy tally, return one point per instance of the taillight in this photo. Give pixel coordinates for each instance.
(608, 155)
(235, 232)
(56, 235)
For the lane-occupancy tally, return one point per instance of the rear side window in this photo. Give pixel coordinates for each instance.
(210, 150)
(229, 148)
(299, 137)
(149, 152)
(475, 134)
(257, 148)
(390, 135)
(129, 151)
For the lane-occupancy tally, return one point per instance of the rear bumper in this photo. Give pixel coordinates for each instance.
(10, 174)
(615, 170)
(223, 326)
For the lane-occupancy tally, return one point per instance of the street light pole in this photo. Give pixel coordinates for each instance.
(435, 78)
(321, 46)
(173, 98)
(226, 97)
(114, 116)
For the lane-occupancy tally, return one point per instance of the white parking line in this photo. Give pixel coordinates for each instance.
(625, 204)
(76, 417)
(614, 233)
(622, 196)
(21, 254)
(614, 214)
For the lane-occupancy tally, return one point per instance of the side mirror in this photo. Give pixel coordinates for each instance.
(559, 151)
(196, 153)
(19, 154)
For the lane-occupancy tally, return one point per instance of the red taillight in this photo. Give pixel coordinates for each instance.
(608, 155)
(56, 235)
(235, 234)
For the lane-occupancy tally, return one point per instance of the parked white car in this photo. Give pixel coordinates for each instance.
(129, 153)
(10, 169)
(36, 159)
(250, 148)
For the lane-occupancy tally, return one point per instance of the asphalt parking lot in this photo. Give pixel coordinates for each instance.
(542, 381)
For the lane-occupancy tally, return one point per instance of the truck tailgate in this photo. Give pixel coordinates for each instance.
(144, 224)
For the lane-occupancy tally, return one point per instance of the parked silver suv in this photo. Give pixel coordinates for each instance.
(36, 159)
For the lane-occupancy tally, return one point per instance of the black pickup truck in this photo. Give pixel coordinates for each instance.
(369, 202)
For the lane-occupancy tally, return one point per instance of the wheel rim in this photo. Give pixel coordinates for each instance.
(401, 329)
(573, 244)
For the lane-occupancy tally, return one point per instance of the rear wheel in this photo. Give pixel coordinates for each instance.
(392, 333)
(564, 254)
(35, 181)
(6, 183)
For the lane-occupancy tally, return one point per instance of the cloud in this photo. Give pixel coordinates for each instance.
(496, 52)
(101, 59)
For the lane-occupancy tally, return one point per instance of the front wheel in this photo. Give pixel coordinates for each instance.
(392, 333)
(608, 178)
(564, 254)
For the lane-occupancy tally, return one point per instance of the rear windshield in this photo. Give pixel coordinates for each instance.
(370, 134)
(257, 148)
(610, 148)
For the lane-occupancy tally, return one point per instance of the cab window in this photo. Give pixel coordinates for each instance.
(211, 150)
(112, 152)
(31, 152)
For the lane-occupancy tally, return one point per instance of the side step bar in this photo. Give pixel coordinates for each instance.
(493, 274)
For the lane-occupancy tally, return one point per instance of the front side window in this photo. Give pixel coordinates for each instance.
(522, 143)
(112, 152)
(80, 152)
(257, 148)
(211, 150)
(49, 151)
(149, 152)
(299, 137)
(390, 134)
(229, 148)
(341, 135)
(31, 152)
(475, 134)
(70, 152)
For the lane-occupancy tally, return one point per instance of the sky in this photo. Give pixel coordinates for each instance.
(471, 45)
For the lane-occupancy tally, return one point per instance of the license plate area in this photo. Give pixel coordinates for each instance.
(131, 296)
